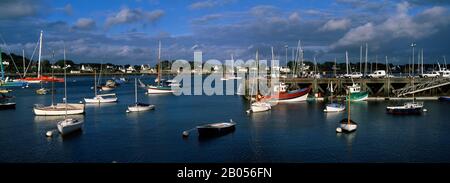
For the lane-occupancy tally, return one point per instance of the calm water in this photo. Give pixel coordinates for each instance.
(298, 132)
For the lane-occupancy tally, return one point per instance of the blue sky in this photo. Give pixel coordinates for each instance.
(127, 32)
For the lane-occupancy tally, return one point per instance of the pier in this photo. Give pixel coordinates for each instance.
(396, 87)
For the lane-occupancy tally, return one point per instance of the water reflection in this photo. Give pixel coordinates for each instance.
(49, 119)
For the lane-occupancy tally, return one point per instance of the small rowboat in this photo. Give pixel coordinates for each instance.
(213, 129)
(216, 129)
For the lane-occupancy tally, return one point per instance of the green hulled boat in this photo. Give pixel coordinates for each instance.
(356, 94)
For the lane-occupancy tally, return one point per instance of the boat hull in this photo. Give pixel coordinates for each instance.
(139, 108)
(13, 84)
(291, 96)
(334, 108)
(359, 96)
(8, 105)
(67, 129)
(208, 131)
(260, 107)
(41, 79)
(409, 111)
(59, 110)
(444, 98)
(99, 100)
(159, 90)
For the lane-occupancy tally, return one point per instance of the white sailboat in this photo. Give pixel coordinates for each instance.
(104, 98)
(333, 106)
(138, 107)
(347, 125)
(68, 125)
(159, 87)
(258, 106)
(60, 108)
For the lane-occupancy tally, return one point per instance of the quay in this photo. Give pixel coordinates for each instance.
(395, 88)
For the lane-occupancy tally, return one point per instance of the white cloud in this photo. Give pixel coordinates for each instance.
(208, 4)
(400, 25)
(333, 25)
(127, 15)
(19, 8)
(84, 23)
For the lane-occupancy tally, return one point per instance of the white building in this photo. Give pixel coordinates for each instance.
(86, 68)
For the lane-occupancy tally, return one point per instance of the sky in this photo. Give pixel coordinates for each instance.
(127, 32)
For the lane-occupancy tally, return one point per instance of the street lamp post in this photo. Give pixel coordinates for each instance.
(413, 45)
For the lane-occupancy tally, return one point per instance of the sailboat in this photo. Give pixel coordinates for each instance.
(137, 106)
(60, 108)
(258, 105)
(347, 124)
(282, 94)
(41, 78)
(5, 82)
(412, 107)
(333, 106)
(104, 98)
(159, 87)
(68, 125)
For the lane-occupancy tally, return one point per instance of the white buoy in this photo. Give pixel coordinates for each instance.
(127, 111)
(338, 129)
(49, 133)
(81, 102)
(185, 133)
(248, 111)
(425, 110)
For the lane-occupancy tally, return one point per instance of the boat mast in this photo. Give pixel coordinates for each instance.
(335, 67)
(53, 80)
(367, 52)
(135, 91)
(348, 117)
(40, 54)
(95, 83)
(360, 59)
(65, 83)
(23, 61)
(257, 75)
(346, 61)
(1, 65)
(159, 64)
(421, 55)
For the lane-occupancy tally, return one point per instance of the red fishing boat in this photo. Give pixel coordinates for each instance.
(283, 95)
(40, 78)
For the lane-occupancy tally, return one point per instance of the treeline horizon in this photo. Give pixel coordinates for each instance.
(327, 66)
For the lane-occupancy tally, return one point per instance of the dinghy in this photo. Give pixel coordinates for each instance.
(216, 129)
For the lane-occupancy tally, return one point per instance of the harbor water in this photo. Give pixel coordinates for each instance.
(294, 132)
